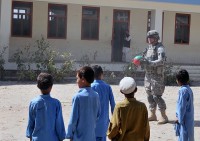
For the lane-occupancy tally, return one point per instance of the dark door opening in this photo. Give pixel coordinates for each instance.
(121, 20)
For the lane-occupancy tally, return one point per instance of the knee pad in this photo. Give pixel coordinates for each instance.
(148, 92)
(157, 98)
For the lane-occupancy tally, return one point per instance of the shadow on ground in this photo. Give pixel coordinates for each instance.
(196, 123)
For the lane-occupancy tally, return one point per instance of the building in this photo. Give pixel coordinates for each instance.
(94, 27)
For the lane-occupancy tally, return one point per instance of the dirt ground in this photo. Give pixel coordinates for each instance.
(15, 98)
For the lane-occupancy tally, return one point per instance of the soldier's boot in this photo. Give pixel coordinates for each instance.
(163, 119)
(152, 116)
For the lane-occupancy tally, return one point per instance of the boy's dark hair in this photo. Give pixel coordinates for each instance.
(44, 81)
(182, 76)
(87, 73)
(97, 71)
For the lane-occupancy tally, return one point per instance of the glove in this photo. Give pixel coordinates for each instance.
(144, 61)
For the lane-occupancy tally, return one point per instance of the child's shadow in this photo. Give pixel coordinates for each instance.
(196, 123)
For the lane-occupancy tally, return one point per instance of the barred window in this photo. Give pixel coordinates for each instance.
(182, 29)
(90, 23)
(21, 19)
(57, 19)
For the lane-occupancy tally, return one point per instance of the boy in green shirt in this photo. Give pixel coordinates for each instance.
(130, 117)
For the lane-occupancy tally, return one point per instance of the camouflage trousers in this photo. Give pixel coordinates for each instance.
(154, 87)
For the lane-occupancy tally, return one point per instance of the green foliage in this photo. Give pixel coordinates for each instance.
(23, 59)
(129, 70)
(87, 59)
(44, 60)
(110, 77)
(169, 73)
(2, 61)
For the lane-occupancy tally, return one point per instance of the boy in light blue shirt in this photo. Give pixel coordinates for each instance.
(85, 108)
(106, 96)
(45, 114)
(184, 108)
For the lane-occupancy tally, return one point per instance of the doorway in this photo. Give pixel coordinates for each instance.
(121, 21)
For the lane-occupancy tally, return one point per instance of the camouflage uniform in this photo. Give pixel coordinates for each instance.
(154, 77)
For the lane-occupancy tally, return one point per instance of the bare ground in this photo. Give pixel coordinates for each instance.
(15, 98)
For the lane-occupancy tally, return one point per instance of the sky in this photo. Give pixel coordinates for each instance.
(193, 2)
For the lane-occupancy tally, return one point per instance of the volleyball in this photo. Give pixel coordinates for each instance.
(137, 59)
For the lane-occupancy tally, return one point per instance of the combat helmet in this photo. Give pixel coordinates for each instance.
(153, 34)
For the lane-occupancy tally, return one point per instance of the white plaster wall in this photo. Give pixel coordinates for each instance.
(40, 19)
(39, 28)
(180, 53)
(140, 4)
(73, 43)
(5, 11)
(79, 47)
(138, 27)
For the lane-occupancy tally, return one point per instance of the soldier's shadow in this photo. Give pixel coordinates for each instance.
(171, 121)
(196, 123)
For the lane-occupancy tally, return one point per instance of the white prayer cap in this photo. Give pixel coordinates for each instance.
(127, 85)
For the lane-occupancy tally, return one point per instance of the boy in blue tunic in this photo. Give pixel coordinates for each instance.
(105, 95)
(45, 114)
(184, 108)
(85, 108)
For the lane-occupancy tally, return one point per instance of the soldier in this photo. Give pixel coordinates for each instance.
(154, 59)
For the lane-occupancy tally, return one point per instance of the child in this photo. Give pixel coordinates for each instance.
(184, 108)
(130, 117)
(105, 95)
(45, 114)
(85, 108)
